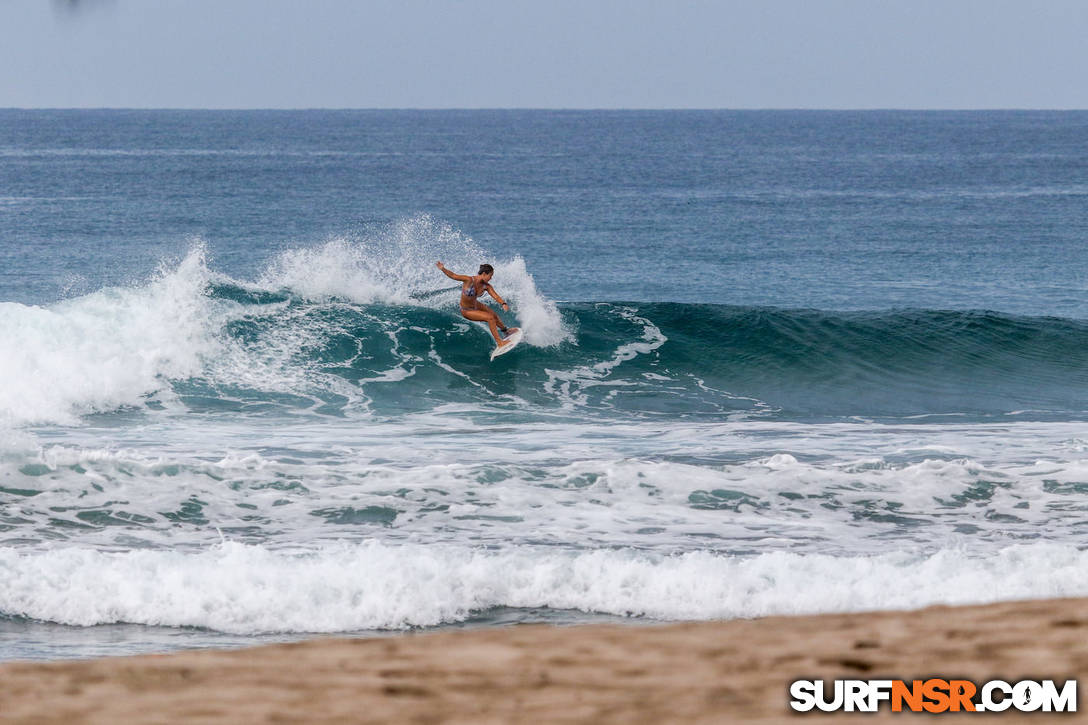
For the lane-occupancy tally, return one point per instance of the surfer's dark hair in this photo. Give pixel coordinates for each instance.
(486, 269)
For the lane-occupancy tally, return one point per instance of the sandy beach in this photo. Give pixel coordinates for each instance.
(699, 672)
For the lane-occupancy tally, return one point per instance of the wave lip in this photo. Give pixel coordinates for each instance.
(898, 363)
(109, 349)
(249, 589)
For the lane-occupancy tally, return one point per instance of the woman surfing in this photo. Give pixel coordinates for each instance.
(471, 306)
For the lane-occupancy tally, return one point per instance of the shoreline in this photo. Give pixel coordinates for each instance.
(601, 673)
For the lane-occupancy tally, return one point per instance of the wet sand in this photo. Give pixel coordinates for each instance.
(699, 672)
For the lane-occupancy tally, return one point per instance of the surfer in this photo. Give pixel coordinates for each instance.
(471, 306)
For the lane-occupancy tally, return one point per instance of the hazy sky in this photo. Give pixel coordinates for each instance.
(544, 53)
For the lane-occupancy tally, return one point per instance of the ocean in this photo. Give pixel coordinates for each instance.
(775, 362)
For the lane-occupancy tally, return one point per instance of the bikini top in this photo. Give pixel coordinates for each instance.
(470, 291)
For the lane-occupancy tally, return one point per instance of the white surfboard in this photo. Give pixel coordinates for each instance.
(514, 339)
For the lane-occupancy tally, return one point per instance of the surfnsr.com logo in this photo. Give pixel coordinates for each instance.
(933, 695)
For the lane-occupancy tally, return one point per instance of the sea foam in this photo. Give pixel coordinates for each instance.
(371, 585)
(105, 350)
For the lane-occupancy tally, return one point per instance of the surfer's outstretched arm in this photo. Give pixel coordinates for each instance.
(451, 275)
(495, 296)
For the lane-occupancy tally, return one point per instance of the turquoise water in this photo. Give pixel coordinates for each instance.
(774, 362)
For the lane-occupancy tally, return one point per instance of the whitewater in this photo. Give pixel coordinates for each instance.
(276, 423)
(328, 449)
